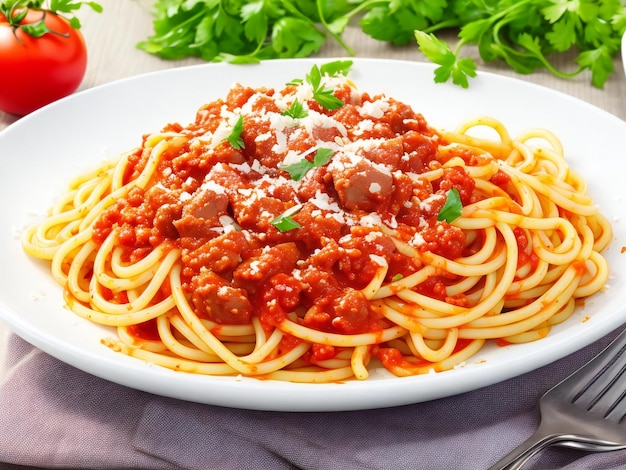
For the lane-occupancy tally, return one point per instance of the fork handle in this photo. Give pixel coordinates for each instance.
(538, 441)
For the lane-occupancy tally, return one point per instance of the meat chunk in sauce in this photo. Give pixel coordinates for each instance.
(360, 183)
(221, 254)
(201, 214)
(255, 271)
(215, 298)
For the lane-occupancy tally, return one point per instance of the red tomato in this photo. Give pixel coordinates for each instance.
(37, 71)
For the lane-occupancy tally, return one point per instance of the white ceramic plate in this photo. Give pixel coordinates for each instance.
(41, 151)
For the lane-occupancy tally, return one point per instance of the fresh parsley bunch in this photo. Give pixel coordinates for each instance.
(525, 34)
(242, 31)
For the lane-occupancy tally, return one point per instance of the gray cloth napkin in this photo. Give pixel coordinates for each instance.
(55, 416)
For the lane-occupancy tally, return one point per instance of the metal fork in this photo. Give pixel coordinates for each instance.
(585, 411)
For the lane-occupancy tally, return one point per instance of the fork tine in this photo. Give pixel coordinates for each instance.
(594, 378)
(607, 402)
(602, 394)
(618, 411)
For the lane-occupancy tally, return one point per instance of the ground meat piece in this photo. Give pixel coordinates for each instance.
(221, 254)
(166, 208)
(361, 184)
(313, 183)
(456, 177)
(201, 214)
(213, 296)
(256, 212)
(164, 221)
(419, 151)
(351, 312)
(387, 152)
(255, 271)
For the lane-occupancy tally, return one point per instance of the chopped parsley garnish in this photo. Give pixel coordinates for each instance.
(325, 96)
(322, 156)
(284, 222)
(452, 208)
(235, 138)
(296, 110)
(337, 67)
(299, 169)
(397, 277)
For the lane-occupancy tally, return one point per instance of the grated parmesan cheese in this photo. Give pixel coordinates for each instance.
(375, 109)
(375, 188)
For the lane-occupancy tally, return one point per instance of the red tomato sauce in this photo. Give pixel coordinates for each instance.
(393, 360)
(219, 205)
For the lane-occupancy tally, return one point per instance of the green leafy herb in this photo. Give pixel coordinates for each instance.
(527, 34)
(322, 156)
(325, 96)
(524, 34)
(296, 111)
(397, 277)
(284, 222)
(15, 11)
(299, 169)
(234, 137)
(452, 208)
(237, 31)
(439, 52)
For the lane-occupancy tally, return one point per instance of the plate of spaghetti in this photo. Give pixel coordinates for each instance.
(309, 235)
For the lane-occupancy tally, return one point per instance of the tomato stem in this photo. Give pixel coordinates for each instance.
(15, 12)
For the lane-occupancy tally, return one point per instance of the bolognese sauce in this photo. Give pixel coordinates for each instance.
(218, 202)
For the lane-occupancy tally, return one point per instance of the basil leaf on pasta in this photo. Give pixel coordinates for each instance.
(452, 208)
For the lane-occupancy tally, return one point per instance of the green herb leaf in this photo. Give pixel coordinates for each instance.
(452, 208)
(295, 37)
(314, 77)
(325, 96)
(434, 49)
(394, 23)
(298, 170)
(337, 67)
(451, 66)
(600, 62)
(327, 99)
(235, 139)
(296, 111)
(322, 156)
(284, 221)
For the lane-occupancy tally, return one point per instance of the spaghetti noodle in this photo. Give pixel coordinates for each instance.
(277, 238)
